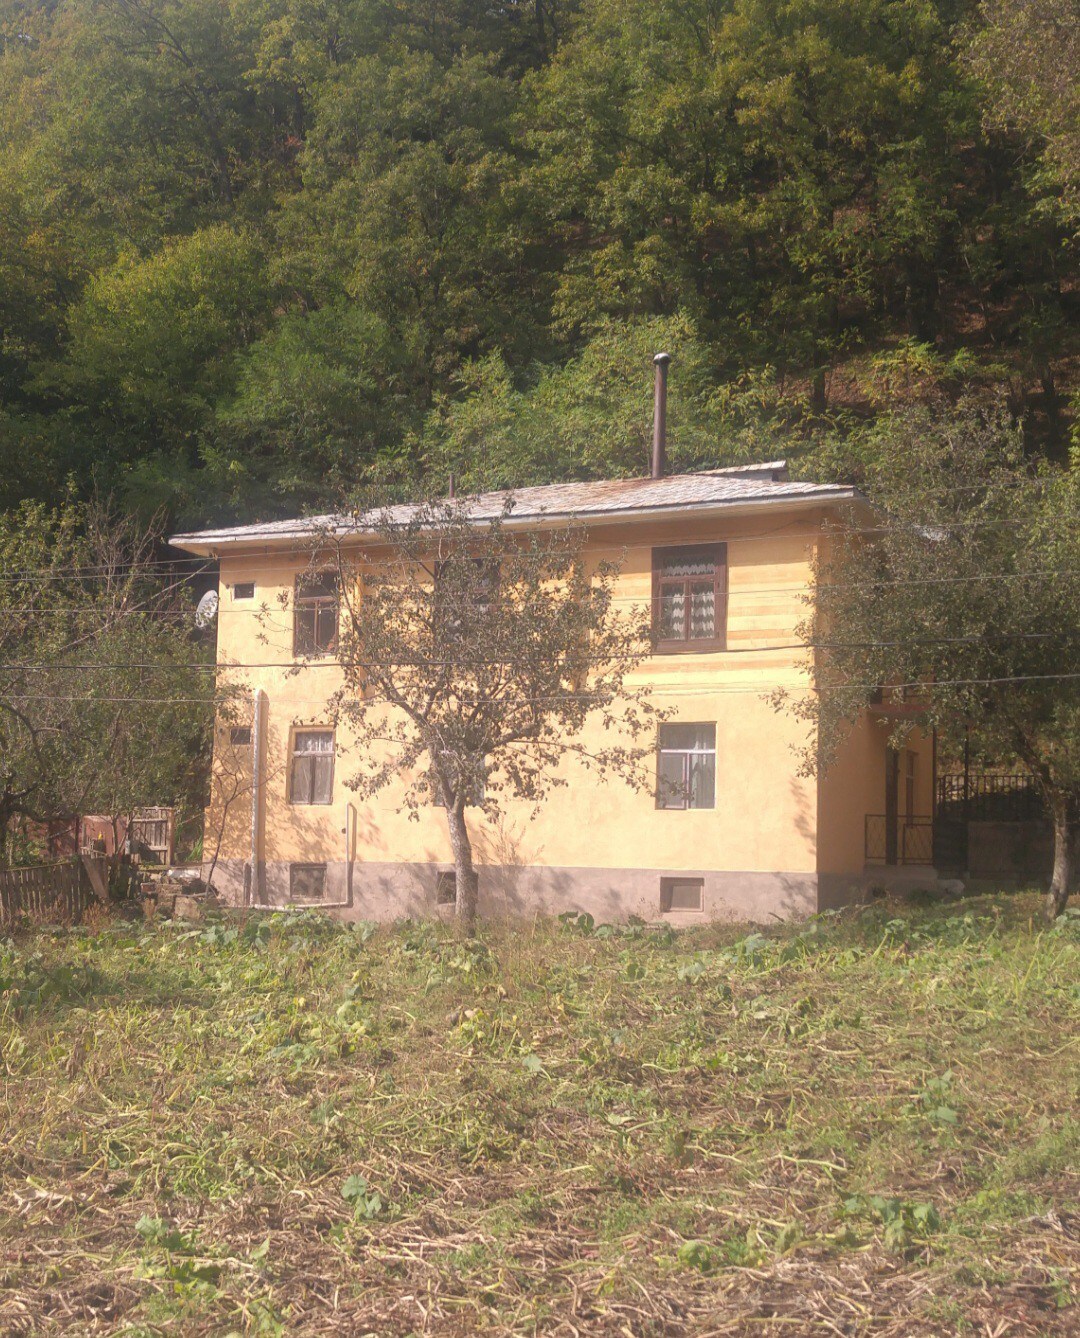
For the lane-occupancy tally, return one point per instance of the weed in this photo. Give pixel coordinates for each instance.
(278, 1123)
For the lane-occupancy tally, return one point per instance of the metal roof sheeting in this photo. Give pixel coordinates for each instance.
(747, 484)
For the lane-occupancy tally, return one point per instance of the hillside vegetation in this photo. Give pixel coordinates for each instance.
(255, 251)
(865, 1124)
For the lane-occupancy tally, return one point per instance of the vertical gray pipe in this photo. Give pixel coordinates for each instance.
(659, 445)
(257, 868)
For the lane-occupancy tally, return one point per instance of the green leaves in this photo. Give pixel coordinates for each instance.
(936, 1099)
(698, 1254)
(903, 1223)
(269, 248)
(365, 1203)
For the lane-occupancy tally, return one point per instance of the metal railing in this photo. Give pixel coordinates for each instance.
(914, 840)
(989, 797)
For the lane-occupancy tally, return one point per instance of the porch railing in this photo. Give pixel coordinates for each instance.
(914, 840)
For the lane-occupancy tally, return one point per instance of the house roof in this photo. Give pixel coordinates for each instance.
(741, 487)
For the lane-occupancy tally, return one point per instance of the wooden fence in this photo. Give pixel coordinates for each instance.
(55, 893)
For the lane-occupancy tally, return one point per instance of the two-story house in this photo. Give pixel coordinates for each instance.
(744, 834)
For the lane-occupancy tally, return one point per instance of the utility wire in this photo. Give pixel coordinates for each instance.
(748, 591)
(662, 693)
(330, 663)
(924, 529)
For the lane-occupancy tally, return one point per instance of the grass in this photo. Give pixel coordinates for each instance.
(867, 1124)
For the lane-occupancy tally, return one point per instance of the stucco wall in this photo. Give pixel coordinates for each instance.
(763, 831)
(853, 785)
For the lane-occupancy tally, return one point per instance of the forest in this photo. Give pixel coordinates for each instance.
(257, 252)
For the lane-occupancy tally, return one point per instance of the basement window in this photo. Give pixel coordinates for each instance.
(682, 894)
(307, 882)
(446, 889)
(244, 590)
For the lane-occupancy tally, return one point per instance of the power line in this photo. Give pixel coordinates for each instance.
(419, 663)
(661, 692)
(796, 587)
(924, 529)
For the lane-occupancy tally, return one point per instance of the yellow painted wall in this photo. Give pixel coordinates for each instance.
(854, 786)
(766, 816)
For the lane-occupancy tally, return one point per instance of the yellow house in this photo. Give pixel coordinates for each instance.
(746, 837)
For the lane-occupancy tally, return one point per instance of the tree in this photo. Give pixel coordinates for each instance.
(152, 341)
(208, 208)
(475, 656)
(593, 416)
(318, 391)
(106, 697)
(1028, 53)
(962, 605)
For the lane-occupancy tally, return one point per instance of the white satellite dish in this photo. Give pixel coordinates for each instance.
(207, 608)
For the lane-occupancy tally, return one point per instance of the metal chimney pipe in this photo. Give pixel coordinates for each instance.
(659, 445)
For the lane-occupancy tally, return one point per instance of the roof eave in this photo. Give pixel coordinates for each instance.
(209, 543)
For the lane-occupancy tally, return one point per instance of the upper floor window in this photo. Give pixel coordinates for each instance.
(686, 767)
(690, 597)
(315, 613)
(465, 591)
(244, 590)
(311, 773)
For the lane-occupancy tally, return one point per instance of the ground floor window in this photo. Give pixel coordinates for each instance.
(686, 766)
(311, 775)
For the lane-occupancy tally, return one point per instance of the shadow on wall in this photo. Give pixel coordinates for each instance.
(806, 821)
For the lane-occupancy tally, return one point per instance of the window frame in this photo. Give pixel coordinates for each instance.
(687, 645)
(686, 753)
(295, 755)
(303, 868)
(241, 586)
(445, 878)
(490, 579)
(667, 884)
(315, 605)
(240, 736)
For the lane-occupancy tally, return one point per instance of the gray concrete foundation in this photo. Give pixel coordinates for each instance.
(384, 892)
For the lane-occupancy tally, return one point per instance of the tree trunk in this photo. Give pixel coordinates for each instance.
(467, 880)
(1059, 883)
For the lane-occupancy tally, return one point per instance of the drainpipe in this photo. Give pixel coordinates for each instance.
(350, 843)
(258, 869)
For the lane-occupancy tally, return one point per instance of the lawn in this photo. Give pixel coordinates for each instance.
(865, 1124)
